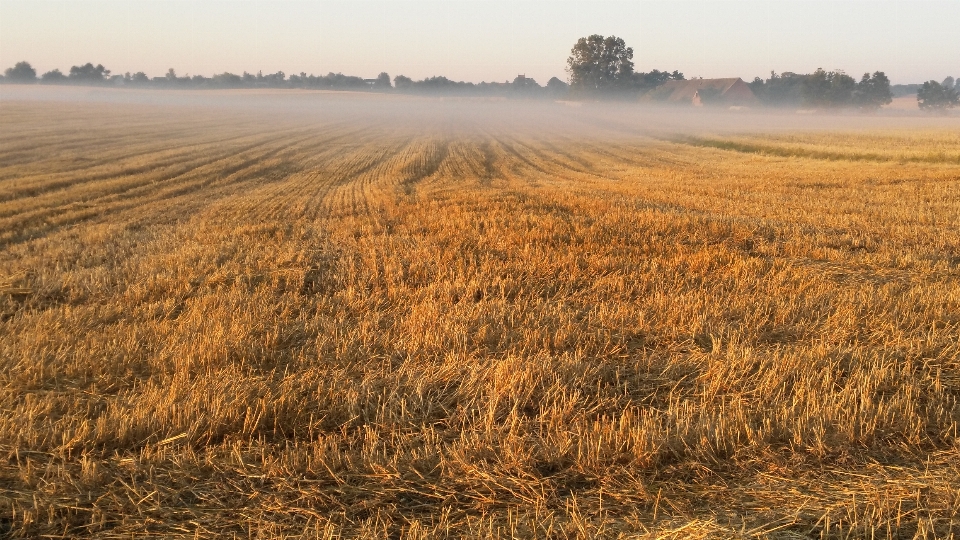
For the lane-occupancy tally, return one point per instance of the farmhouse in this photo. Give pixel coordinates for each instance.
(698, 92)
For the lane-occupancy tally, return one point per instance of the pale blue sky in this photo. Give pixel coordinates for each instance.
(911, 40)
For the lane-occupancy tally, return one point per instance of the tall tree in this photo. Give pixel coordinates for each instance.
(600, 64)
(21, 72)
(873, 91)
(382, 82)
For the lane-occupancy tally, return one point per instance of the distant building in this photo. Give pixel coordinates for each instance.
(699, 92)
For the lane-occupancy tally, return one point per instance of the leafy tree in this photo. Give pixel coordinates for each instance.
(936, 97)
(842, 87)
(227, 80)
(339, 80)
(781, 90)
(53, 77)
(557, 87)
(828, 89)
(439, 84)
(525, 84)
(436, 83)
(757, 84)
(949, 82)
(273, 80)
(382, 82)
(21, 72)
(646, 81)
(298, 81)
(402, 82)
(873, 91)
(88, 73)
(599, 64)
(140, 78)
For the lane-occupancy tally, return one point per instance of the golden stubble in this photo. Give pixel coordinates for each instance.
(223, 325)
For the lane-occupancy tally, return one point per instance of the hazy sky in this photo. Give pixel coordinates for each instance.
(911, 40)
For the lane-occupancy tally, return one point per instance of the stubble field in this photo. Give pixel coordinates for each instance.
(426, 319)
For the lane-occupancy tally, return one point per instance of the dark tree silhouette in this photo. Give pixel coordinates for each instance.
(873, 91)
(227, 80)
(53, 77)
(273, 80)
(785, 89)
(88, 73)
(526, 85)
(653, 79)
(382, 82)
(21, 72)
(933, 96)
(402, 82)
(436, 84)
(557, 87)
(828, 89)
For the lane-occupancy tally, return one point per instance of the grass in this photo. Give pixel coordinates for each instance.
(217, 324)
(903, 146)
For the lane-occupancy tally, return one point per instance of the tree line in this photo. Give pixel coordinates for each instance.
(824, 89)
(599, 67)
(835, 89)
(89, 74)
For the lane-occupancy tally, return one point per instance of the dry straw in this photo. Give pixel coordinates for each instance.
(222, 326)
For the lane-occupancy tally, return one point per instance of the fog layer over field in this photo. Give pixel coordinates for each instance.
(482, 115)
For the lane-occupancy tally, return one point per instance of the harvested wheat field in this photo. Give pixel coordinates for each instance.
(333, 316)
